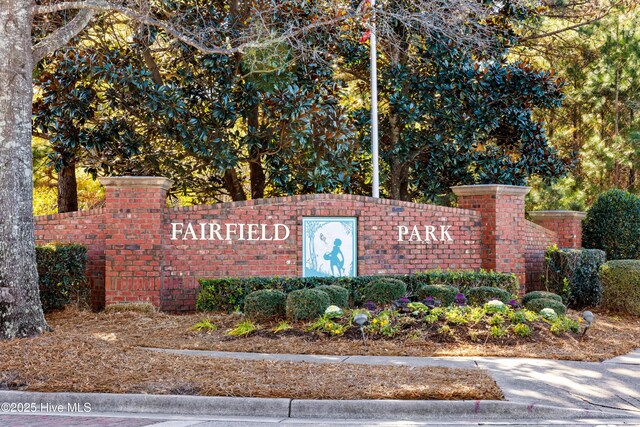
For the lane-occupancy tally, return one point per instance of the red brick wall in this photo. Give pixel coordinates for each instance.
(566, 224)
(86, 228)
(379, 252)
(133, 258)
(538, 239)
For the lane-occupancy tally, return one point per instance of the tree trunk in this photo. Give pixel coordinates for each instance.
(68, 188)
(234, 186)
(399, 172)
(20, 309)
(256, 172)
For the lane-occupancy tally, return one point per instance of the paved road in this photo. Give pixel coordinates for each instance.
(537, 392)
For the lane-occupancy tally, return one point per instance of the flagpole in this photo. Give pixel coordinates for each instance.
(375, 191)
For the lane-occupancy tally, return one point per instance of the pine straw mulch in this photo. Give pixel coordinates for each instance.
(89, 352)
(609, 336)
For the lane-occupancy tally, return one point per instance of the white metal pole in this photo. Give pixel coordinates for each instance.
(374, 104)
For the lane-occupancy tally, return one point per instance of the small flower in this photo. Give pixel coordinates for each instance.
(460, 299)
(369, 305)
(514, 304)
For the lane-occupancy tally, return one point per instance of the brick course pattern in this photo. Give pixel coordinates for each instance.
(132, 257)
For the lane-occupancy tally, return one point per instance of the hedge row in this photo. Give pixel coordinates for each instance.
(61, 272)
(228, 294)
(573, 274)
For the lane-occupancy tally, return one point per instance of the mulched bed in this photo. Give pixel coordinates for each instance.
(98, 352)
(609, 336)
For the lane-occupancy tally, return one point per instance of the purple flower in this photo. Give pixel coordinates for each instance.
(460, 299)
(370, 305)
(404, 300)
(429, 302)
(514, 304)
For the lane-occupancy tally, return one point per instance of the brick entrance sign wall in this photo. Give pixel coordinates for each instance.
(140, 250)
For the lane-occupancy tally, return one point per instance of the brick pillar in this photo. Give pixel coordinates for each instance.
(566, 224)
(503, 224)
(134, 231)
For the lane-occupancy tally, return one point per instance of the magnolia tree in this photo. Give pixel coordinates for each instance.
(29, 32)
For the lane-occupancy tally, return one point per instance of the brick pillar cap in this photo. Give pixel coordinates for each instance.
(535, 215)
(137, 182)
(490, 189)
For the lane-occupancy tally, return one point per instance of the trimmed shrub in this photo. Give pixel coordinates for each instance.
(446, 294)
(537, 304)
(483, 294)
(228, 294)
(540, 294)
(621, 283)
(265, 304)
(574, 275)
(306, 304)
(384, 291)
(613, 225)
(337, 294)
(61, 272)
(463, 280)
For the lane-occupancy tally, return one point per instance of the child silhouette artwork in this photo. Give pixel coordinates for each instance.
(336, 258)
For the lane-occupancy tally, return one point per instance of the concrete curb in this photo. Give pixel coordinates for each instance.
(292, 408)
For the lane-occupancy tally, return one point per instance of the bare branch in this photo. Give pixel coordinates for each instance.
(62, 35)
(103, 6)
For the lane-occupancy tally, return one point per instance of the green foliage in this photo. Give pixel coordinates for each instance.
(599, 121)
(384, 324)
(573, 274)
(483, 294)
(538, 304)
(498, 332)
(266, 304)
(228, 294)
(384, 291)
(522, 330)
(62, 275)
(283, 325)
(329, 325)
(244, 328)
(540, 294)
(496, 320)
(613, 225)
(337, 294)
(621, 283)
(204, 325)
(564, 324)
(457, 316)
(463, 280)
(306, 304)
(446, 294)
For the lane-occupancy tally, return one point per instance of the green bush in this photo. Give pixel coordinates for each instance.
(613, 225)
(384, 291)
(265, 304)
(228, 294)
(540, 294)
(62, 278)
(621, 283)
(306, 304)
(537, 304)
(482, 294)
(573, 274)
(463, 280)
(337, 295)
(446, 294)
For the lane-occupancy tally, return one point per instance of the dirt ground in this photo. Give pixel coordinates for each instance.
(98, 352)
